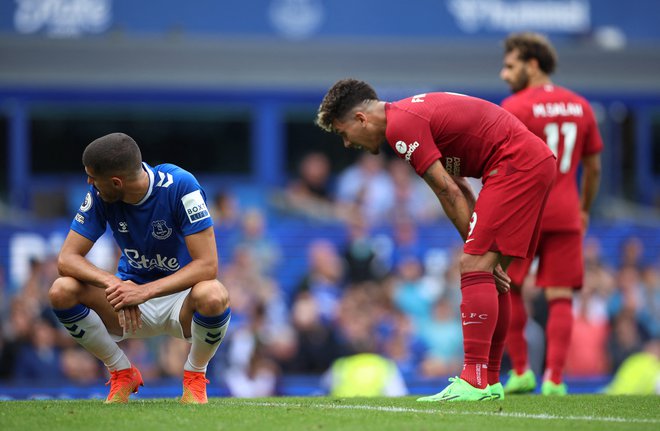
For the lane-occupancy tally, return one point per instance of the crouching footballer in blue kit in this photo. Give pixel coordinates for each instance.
(166, 278)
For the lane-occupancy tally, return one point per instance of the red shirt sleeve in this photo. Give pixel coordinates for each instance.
(410, 137)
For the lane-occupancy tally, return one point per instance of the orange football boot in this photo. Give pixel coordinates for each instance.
(194, 388)
(123, 383)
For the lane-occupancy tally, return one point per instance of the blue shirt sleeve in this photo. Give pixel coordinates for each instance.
(90, 220)
(192, 212)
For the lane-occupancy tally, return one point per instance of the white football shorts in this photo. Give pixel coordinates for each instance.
(160, 316)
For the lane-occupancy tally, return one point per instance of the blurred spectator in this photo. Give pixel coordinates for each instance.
(80, 367)
(401, 343)
(639, 374)
(632, 252)
(587, 355)
(142, 356)
(317, 344)
(364, 375)
(359, 317)
(40, 358)
(363, 263)
(366, 188)
(405, 243)
(413, 293)
(252, 236)
(627, 298)
(324, 280)
(6, 357)
(595, 270)
(444, 340)
(258, 378)
(625, 339)
(41, 276)
(250, 370)
(649, 315)
(309, 194)
(18, 328)
(172, 355)
(225, 211)
(413, 199)
(249, 288)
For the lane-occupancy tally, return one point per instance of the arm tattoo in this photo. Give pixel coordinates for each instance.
(441, 187)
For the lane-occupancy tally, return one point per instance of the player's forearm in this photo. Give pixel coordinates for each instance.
(590, 183)
(466, 189)
(78, 267)
(458, 211)
(453, 201)
(589, 192)
(188, 276)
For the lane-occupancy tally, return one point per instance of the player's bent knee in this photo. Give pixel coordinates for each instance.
(64, 292)
(470, 263)
(553, 293)
(210, 297)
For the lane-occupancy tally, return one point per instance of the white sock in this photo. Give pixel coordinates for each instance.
(207, 335)
(87, 328)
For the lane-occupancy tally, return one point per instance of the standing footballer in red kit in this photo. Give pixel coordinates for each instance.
(446, 137)
(564, 120)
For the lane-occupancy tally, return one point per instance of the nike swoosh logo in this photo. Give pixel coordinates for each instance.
(472, 323)
(471, 239)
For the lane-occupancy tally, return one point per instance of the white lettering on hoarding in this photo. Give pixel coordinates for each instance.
(62, 18)
(570, 16)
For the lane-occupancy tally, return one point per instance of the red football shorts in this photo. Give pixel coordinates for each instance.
(561, 263)
(507, 215)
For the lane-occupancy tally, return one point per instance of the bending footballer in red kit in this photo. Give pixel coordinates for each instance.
(446, 137)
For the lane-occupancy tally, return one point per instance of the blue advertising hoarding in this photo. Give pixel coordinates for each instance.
(634, 20)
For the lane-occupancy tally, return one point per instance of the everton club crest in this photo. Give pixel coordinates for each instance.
(160, 229)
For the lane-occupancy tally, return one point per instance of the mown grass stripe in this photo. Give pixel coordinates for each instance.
(455, 412)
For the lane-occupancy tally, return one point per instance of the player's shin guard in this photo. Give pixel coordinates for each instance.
(516, 343)
(558, 334)
(87, 328)
(479, 307)
(207, 335)
(499, 338)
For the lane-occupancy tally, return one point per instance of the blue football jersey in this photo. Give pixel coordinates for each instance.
(150, 233)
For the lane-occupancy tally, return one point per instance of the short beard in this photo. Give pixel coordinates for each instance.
(521, 82)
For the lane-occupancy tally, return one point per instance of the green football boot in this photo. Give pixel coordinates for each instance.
(496, 392)
(459, 390)
(550, 388)
(520, 384)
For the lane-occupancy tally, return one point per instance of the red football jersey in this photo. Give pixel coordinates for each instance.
(471, 137)
(565, 121)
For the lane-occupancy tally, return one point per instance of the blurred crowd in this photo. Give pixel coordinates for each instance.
(379, 294)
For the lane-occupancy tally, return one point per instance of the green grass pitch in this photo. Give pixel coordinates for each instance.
(574, 412)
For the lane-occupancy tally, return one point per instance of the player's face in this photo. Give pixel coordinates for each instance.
(514, 71)
(108, 187)
(356, 134)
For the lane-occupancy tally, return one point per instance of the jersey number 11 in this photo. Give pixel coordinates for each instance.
(569, 133)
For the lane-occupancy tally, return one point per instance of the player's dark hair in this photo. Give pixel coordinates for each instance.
(340, 99)
(533, 45)
(113, 154)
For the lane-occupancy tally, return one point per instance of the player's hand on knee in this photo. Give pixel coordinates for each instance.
(125, 294)
(130, 318)
(502, 280)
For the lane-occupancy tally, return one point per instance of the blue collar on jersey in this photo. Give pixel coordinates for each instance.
(151, 184)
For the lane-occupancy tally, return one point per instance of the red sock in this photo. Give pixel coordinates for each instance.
(479, 317)
(515, 342)
(558, 336)
(499, 337)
